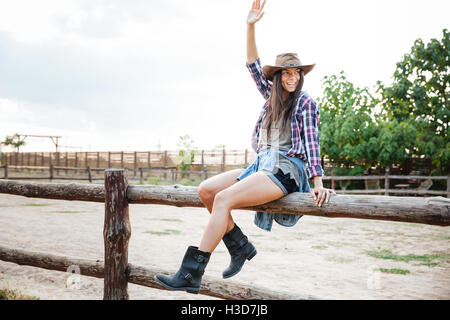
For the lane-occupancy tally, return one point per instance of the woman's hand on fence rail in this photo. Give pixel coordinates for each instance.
(323, 194)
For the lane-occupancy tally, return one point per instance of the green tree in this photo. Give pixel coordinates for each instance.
(416, 104)
(186, 153)
(347, 128)
(395, 140)
(13, 141)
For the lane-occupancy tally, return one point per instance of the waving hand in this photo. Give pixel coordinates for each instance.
(255, 14)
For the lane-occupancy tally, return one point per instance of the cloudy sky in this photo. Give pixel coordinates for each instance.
(136, 75)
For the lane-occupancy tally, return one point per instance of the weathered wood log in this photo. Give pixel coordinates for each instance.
(429, 210)
(59, 191)
(393, 191)
(432, 210)
(116, 235)
(175, 195)
(211, 286)
(378, 177)
(50, 261)
(215, 287)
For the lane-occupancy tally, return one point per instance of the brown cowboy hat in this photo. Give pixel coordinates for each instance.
(286, 60)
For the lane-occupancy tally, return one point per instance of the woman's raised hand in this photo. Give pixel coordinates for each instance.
(255, 14)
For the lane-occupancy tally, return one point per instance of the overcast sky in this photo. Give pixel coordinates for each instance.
(135, 75)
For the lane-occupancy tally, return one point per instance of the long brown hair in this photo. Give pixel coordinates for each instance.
(277, 107)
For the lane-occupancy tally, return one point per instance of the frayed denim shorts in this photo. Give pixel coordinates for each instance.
(266, 162)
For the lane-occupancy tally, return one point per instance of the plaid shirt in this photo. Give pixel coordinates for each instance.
(304, 124)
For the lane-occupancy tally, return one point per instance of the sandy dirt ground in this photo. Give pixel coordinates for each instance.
(323, 257)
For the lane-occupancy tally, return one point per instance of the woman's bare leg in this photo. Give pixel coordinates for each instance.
(208, 189)
(256, 189)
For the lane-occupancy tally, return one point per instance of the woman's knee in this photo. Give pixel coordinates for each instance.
(223, 199)
(204, 192)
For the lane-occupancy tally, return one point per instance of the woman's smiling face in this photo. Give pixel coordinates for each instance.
(290, 78)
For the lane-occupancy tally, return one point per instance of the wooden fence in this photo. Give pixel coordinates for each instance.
(117, 194)
(214, 160)
(372, 183)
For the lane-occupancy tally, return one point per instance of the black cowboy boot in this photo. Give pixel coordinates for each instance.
(239, 248)
(189, 276)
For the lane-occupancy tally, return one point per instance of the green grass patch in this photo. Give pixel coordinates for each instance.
(340, 259)
(165, 232)
(425, 259)
(303, 236)
(171, 220)
(190, 182)
(7, 294)
(166, 219)
(394, 271)
(68, 211)
(441, 237)
(153, 180)
(319, 247)
(37, 204)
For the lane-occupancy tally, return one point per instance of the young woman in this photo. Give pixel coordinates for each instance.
(285, 138)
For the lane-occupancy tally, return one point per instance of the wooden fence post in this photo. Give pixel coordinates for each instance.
(332, 180)
(141, 175)
(223, 160)
(51, 172)
(203, 158)
(89, 173)
(135, 163)
(67, 161)
(205, 172)
(386, 182)
(165, 164)
(50, 159)
(448, 186)
(116, 235)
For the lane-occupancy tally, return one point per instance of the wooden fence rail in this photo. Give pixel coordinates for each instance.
(430, 210)
(52, 169)
(117, 195)
(174, 172)
(211, 286)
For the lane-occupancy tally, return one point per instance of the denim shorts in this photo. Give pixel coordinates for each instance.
(284, 181)
(265, 162)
